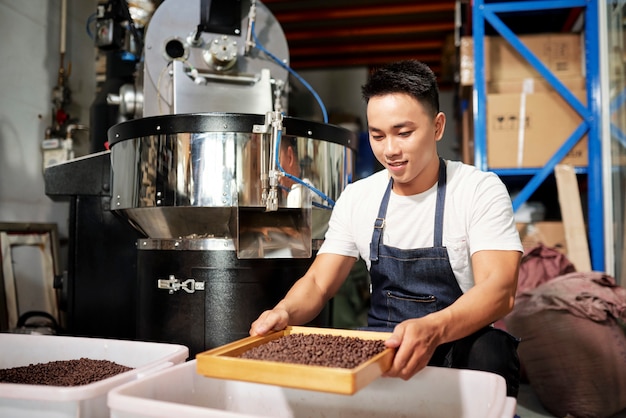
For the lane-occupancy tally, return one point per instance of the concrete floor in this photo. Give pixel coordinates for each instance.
(528, 405)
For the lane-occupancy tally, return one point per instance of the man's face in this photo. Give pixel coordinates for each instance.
(289, 162)
(403, 137)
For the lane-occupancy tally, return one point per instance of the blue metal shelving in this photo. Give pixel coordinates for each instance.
(483, 12)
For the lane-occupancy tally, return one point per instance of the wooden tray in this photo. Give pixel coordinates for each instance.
(223, 362)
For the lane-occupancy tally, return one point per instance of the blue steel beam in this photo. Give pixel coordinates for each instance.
(590, 114)
(595, 196)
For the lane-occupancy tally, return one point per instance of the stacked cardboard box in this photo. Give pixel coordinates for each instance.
(527, 120)
(549, 233)
(466, 60)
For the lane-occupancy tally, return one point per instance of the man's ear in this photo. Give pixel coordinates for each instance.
(440, 125)
(291, 154)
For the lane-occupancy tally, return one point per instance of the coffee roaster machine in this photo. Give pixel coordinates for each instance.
(195, 171)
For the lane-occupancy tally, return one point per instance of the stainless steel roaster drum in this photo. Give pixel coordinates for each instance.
(181, 176)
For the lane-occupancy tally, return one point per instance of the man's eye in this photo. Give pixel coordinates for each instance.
(405, 134)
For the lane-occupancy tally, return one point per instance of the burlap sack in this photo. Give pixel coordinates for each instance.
(575, 365)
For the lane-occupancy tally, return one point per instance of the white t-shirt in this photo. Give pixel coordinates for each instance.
(478, 215)
(295, 198)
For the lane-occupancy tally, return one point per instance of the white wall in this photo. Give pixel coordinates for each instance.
(339, 89)
(29, 66)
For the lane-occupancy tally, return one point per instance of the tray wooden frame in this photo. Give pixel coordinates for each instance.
(223, 363)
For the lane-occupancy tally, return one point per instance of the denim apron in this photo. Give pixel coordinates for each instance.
(410, 283)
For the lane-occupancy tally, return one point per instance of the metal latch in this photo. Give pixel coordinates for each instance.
(174, 285)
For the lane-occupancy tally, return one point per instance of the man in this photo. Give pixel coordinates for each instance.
(290, 163)
(438, 237)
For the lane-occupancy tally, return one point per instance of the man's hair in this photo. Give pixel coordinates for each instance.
(409, 77)
(287, 141)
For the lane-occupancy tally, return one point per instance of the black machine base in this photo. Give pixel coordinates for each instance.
(235, 293)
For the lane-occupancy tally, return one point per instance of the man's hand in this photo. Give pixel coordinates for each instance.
(416, 341)
(272, 320)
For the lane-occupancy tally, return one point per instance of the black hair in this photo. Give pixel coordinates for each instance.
(287, 141)
(410, 77)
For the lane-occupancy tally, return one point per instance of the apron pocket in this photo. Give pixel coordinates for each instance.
(402, 306)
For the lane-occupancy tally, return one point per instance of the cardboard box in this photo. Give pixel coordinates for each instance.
(449, 59)
(549, 233)
(466, 61)
(467, 130)
(536, 85)
(560, 52)
(548, 120)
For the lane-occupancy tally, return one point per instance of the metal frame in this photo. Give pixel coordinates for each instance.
(591, 113)
(42, 235)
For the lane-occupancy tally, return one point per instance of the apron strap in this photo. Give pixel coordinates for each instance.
(441, 199)
(379, 224)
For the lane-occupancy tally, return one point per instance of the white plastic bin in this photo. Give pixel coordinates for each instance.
(434, 392)
(21, 400)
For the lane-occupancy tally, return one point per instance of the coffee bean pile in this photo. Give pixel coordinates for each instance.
(63, 373)
(317, 350)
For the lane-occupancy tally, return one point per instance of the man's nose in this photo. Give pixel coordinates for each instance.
(392, 146)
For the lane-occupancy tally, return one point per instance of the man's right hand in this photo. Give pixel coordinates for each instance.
(272, 320)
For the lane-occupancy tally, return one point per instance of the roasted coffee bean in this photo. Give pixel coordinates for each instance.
(63, 373)
(317, 350)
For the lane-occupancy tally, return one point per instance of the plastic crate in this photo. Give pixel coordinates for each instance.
(22, 400)
(434, 392)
